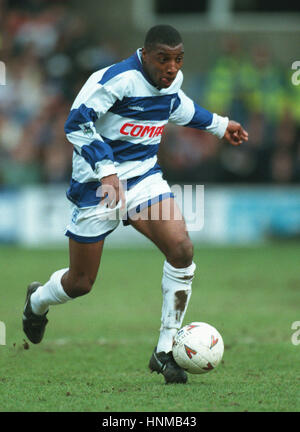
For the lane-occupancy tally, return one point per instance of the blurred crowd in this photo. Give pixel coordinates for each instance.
(251, 87)
(49, 54)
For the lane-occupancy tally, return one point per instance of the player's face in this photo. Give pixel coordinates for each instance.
(162, 63)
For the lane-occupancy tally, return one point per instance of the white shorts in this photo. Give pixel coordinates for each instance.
(92, 224)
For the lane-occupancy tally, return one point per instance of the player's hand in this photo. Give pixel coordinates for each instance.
(111, 191)
(235, 134)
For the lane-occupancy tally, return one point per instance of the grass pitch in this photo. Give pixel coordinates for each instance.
(96, 349)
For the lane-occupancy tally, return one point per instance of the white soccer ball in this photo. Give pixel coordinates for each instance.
(198, 348)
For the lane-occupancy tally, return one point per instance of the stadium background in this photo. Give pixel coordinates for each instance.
(94, 356)
(236, 67)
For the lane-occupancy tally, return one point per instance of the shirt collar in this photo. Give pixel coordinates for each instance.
(141, 68)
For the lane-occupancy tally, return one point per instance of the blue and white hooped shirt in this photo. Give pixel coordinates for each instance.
(116, 123)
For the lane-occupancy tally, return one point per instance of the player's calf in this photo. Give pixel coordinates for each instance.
(180, 253)
(176, 290)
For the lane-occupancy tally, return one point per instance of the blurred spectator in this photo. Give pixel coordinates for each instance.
(49, 55)
(281, 166)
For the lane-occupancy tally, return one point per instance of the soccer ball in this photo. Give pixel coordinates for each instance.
(198, 348)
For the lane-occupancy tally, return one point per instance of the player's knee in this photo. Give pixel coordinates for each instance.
(82, 286)
(181, 254)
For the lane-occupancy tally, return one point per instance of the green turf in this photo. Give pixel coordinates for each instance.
(96, 349)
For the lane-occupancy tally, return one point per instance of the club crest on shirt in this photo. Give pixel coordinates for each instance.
(87, 128)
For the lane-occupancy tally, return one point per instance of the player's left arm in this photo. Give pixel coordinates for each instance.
(189, 114)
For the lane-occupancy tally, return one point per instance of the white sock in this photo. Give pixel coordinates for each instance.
(176, 290)
(51, 293)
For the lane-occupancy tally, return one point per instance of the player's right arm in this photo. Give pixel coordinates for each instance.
(92, 102)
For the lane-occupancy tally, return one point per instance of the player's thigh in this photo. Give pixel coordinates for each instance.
(164, 225)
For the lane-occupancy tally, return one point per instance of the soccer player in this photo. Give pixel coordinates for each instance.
(115, 125)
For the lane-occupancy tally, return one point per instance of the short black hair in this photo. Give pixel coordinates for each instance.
(162, 34)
